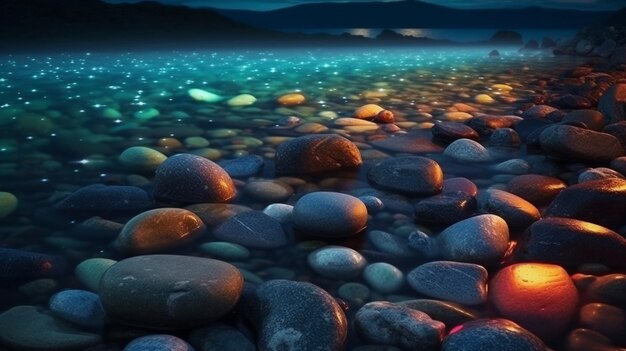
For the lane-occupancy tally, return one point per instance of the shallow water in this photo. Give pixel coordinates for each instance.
(65, 119)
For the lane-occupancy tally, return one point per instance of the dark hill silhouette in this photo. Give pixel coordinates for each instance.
(412, 14)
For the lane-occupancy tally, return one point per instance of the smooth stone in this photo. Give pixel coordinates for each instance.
(295, 316)
(517, 212)
(535, 188)
(484, 99)
(215, 214)
(354, 293)
(97, 228)
(538, 111)
(571, 101)
(79, 307)
(540, 297)
(375, 348)
(466, 150)
(412, 175)
(619, 164)
(598, 173)
(311, 127)
(578, 144)
(482, 239)
(609, 289)
(383, 277)
(451, 314)
(184, 291)
(158, 230)
(571, 242)
(446, 208)
(336, 262)
(111, 113)
(196, 142)
(39, 287)
(382, 322)
(141, 158)
(607, 320)
(407, 143)
(329, 214)
(243, 167)
(220, 337)
(491, 335)
(203, 95)
(20, 264)
(368, 111)
(316, 153)
(505, 137)
(90, 271)
(453, 185)
(593, 119)
(451, 131)
(292, 99)
(8, 204)
(268, 190)
(147, 114)
(225, 251)
(158, 342)
(192, 179)
(373, 203)
(456, 116)
(353, 122)
(252, 229)
(29, 328)
(465, 283)
(105, 198)
(589, 340)
(395, 245)
(513, 166)
(598, 201)
(283, 213)
(612, 104)
(241, 100)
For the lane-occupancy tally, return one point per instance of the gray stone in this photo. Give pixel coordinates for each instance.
(220, 337)
(412, 175)
(578, 144)
(329, 214)
(158, 342)
(184, 291)
(466, 150)
(505, 137)
(465, 283)
(492, 335)
(215, 214)
(252, 229)
(386, 323)
(243, 167)
(336, 262)
(383, 277)
(517, 212)
(316, 153)
(445, 208)
(79, 307)
(449, 313)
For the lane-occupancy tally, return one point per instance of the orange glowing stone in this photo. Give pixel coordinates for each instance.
(540, 297)
(291, 99)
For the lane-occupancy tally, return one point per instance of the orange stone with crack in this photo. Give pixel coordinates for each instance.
(540, 297)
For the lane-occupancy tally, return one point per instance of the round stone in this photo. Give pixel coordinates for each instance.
(268, 190)
(8, 204)
(383, 277)
(158, 342)
(184, 291)
(141, 158)
(280, 212)
(368, 111)
(467, 150)
(293, 99)
(192, 179)
(446, 208)
(540, 297)
(196, 142)
(354, 293)
(491, 335)
(465, 283)
(329, 214)
(336, 262)
(605, 319)
(517, 212)
(413, 175)
(317, 153)
(79, 307)
(158, 230)
(91, 270)
(241, 100)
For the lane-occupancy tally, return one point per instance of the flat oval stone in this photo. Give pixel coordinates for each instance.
(159, 342)
(20, 264)
(451, 131)
(593, 119)
(451, 314)
(192, 179)
(467, 150)
(158, 230)
(598, 201)
(105, 198)
(383, 277)
(605, 319)
(413, 175)
(243, 167)
(588, 340)
(141, 158)
(540, 297)
(505, 137)
(383, 322)
(445, 208)
(329, 214)
(517, 212)
(482, 239)
(465, 283)
(295, 316)
(29, 328)
(292, 99)
(268, 190)
(578, 144)
(79, 307)
(535, 188)
(184, 291)
(609, 289)
(316, 153)
(571, 242)
(336, 262)
(252, 229)
(368, 111)
(491, 335)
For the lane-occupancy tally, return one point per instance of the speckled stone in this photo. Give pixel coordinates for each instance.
(466, 150)
(243, 167)
(158, 342)
(491, 335)
(445, 208)
(383, 277)
(20, 264)
(220, 337)
(412, 175)
(336, 262)
(465, 283)
(517, 212)
(316, 153)
(90, 271)
(79, 307)
(252, 229)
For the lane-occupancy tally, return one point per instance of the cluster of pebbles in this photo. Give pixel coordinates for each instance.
(492, 221)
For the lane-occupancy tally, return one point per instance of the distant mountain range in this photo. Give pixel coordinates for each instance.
(412, 14)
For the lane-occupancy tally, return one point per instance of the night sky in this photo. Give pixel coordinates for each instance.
(466, 4)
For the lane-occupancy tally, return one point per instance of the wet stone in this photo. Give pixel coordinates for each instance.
(609, 289)
(316, 153)
(268, 190)
(452, 185)
(413, 175)
(252, 229)
(386, 323)
(184, 291)
(281, 212)
(578, 144)
(20, 264)
(536, 189)
(445, 208)
(517, 212)
(140, 158)
(329, 214)
(465, 283)
(492, 335)
(451, 314)
(215, 214)
(466, 150)
(90, 271)
(593, 119)
(105, 198)
(243, 167)
(383, 277)
(220, 337)
(336, 262)
(599, 173)
(97, 228)
(79, 307)
(505, 137)
(607, 320)
(159, 342)
(450, 131)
